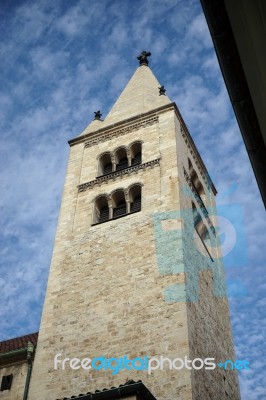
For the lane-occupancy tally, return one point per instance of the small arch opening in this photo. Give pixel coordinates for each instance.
(105, 164)
(196, 182)
(135, 198)
(101, 213)
(196, 217)
(205, 235)
(119, 204)
(200, 227)
(190, 167)
(121, 159)
(135, 151)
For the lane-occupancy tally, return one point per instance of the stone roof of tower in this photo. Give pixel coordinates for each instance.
(18, 342)
(140, 95)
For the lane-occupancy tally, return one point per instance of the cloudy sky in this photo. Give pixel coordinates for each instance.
(63, 60)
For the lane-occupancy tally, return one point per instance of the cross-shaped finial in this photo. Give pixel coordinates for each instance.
(97, 115)
(143, 60)
(162, 90)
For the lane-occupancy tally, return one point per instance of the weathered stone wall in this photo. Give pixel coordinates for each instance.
(209, 325)
(19, 372)
(105, 294)
(120, 287)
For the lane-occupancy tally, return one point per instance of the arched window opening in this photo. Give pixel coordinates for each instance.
(201, 228)
(195, 180)
(206, 237)
(121, 159)
(201, 192)
(120, 206)
(199, 188)
(190, 167)
(135, 198)
(196, 183)
(135, 150)
(101, 210)
(105, 164)
(196, 217)
(192, 174)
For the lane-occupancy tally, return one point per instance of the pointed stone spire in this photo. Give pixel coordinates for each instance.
(139, 96)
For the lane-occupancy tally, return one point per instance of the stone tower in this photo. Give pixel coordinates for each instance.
(136, 268)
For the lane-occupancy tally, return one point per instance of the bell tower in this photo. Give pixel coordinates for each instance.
(136, 268)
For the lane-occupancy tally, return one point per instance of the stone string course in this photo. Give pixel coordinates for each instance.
(114, 175)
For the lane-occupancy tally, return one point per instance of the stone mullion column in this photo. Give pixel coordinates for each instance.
(113, 162)
(129, 157)
(110, 205)
(127, 201)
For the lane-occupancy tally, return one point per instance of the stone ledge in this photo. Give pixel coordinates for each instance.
(115, 174)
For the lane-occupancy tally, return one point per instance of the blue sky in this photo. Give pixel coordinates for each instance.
(60, 62)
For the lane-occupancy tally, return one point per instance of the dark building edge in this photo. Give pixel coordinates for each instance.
(237, 86)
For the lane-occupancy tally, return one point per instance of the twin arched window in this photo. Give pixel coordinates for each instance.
(121, 202)
(196, 182)
(119, 159)
(200, 227)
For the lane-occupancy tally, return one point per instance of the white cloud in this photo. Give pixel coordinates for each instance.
(79, 17)
(198, 31)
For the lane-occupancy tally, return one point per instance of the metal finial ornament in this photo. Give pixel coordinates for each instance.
(162, 90)
(97, 115)
(143, 60)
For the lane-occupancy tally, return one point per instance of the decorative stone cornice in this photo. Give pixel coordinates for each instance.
(116, 174)
(120, 132)
(132, 121)
(199, 201)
